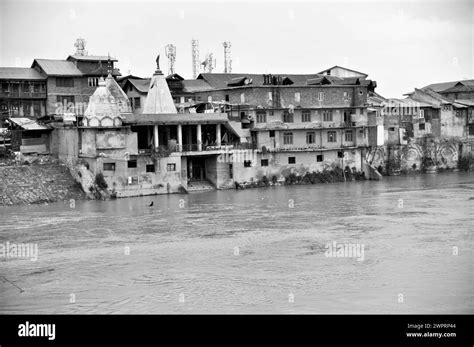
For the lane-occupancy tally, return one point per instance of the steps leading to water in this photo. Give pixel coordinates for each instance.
(199, 186)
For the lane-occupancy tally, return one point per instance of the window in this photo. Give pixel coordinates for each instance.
(331, 136)
(131, 164)
(242, 98)
(271, 133)
(327, 116)
(297, 97)
(270, 96)
(150, 168)
(348, 136)
(272, 113)
(291, 160)
(471, 129)
(320, 96)
(64, 82)
(306, 116)
(287, 117)
(264, 162)
(247, 163)
(421, 114)
(137, 102)
(25, 87)
(346, 96)
(287, 138)
(319, 157)
(227, 98)
(170, 167)
(109, 166)
(310, 137)
(261, 116)
(93, 81)
(421, 126)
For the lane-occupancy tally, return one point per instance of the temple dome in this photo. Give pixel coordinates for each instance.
(103, 109)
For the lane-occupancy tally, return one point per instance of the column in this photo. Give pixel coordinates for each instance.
(199, 137)
(156, 141)
(218, 134)
(180, 137)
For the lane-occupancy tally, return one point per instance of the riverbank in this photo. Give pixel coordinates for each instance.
(38, 181)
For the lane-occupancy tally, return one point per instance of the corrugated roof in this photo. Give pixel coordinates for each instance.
(91, 57)
(467, 102)
(58, 67)
(344, 68)
(142, 85)
(221, 80)
(191, 86)
(440, 87)
(21, 73)
(27, 124)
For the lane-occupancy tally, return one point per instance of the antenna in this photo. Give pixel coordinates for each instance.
(80, 47)
(227, 58)
(170, 51)
(195, 52)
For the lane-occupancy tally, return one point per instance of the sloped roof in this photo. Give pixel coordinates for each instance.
(344, 68)
(221, 80)
(27, 124)
(142, 85)
(90, 57)
(467, 102)
(440, 87)
(53, 67)
(120, 97)
(21, 73)
(195, 86)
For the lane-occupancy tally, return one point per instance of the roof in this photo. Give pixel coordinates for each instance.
(21, 73)
(440, 87)
(90, 57)
(344, 68)
(176, 118)
(142, 85)
(221, 80)
(467, 102)
(191, 86)
(57, 67)
(27, 124)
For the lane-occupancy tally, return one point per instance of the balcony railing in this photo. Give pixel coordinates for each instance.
(23, 95)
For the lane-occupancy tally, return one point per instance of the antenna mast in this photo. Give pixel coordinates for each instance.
(170, 51)
(195, 52)
(227, 58)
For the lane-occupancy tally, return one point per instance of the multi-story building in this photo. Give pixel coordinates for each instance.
(72, 81)
(22, 93)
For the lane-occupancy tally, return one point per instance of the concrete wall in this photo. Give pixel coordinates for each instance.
(64, 144)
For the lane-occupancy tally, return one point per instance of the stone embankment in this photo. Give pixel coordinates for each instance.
(37, 181)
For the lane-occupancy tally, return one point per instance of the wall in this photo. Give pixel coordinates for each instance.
(64, 144)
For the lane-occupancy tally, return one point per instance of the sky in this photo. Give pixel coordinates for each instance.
(399, 44)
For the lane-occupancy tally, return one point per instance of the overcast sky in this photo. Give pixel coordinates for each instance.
(400, 44)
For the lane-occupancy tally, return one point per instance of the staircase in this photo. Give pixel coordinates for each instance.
(200, 186)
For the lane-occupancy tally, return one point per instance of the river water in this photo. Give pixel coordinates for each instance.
(249, 251)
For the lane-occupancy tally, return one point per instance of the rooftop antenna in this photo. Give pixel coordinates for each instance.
(227, 58)
(80, 47)
(170, 51)
(195, 52)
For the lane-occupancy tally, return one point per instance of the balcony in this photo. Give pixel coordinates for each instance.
(22, 95)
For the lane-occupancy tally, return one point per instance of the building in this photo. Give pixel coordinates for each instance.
(22, 93)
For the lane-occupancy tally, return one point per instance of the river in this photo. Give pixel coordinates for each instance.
(249, 251)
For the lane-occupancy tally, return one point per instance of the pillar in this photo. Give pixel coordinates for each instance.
(156, 141)
(180, 137)
(199, 137)
(218, 134)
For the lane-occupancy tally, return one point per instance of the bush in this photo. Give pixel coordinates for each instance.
(464, 163)
(265, 180)
(100, 181)
(274, 179)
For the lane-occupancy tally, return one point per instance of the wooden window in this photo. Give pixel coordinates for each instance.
(93, 81)
(132, 164)
(271, 133)
(137, 102)
(310, 137)
(348, 136)
(291, 160)
(264, 162)
(306, 116)
(287, 138)
(297, 97)
(261, 116)
(319, 157)
(332, 136)
(171, 167)
(287, 117)
(247, 163)
(109, 166)
(320, 96)
(150, 168)
(327, 116)
(346, 96)
(421, 126)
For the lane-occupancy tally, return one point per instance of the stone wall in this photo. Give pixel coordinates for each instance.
(37, 183)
